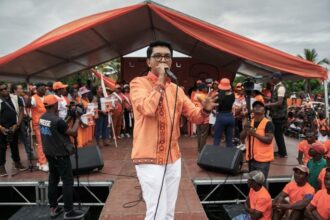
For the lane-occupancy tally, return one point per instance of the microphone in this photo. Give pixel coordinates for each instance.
(170, 74)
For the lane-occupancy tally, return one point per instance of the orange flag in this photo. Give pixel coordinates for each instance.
(110, 83)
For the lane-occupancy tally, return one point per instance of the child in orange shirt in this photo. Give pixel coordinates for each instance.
(300, 193)
(319, 207)
(259, 203)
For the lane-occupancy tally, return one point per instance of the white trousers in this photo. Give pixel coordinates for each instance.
(150, 177)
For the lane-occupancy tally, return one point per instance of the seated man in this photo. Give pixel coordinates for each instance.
(320, 205)
(300, 193)
(259, 203)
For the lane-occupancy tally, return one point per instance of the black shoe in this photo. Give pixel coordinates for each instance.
(283, 156)
(74, 214)
(54, 212)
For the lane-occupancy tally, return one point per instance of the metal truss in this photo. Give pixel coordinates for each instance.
(234, 181)
(41, 192)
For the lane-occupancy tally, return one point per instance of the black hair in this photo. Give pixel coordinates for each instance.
(2, 83)
(201, 86)
(14, 86)
(158, 43)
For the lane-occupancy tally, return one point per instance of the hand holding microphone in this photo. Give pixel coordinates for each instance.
(164, 70)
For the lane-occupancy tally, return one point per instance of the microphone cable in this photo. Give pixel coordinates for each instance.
(169, 144)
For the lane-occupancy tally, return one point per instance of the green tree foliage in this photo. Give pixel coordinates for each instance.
(84, 75)
(313, 85)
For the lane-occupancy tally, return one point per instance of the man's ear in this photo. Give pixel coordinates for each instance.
(148, 62)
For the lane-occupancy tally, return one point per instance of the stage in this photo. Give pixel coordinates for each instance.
(118, 177)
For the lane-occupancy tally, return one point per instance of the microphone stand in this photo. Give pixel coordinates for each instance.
(248, 105)
(77, 168)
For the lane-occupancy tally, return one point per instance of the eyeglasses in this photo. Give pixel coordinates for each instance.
(5, 88)
(158, 57)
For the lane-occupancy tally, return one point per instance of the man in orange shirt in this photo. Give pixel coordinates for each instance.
(117, 115)
(156, 152)
(38, 109)
(300, 193)
(259, 140)
(202, 129)
(319, 207)
(259, 203)
(305, 145)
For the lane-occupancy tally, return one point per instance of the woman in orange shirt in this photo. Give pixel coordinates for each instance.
(85, 133)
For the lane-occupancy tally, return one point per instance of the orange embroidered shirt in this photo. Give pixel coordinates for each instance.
(153, 112)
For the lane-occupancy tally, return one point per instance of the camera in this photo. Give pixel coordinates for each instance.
(248, 85)
(74, 109)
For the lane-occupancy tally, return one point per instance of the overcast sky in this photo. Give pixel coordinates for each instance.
(288, 25)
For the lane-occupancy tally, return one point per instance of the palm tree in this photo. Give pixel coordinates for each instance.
(311, 55)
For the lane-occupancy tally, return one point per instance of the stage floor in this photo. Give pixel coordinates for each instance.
(119, 169)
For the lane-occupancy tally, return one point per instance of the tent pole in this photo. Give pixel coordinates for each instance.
(326, 100)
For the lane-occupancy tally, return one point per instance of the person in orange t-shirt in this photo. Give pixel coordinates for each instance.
(323, 171)
(202, 130)
(38, 109)
(118, 113)
(85, 132)
(319, 207)
(305, 145)
(300, 193)
(259, 203)
(327, 146)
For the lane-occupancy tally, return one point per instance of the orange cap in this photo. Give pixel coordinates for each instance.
(50, 100)
(318, 147)
(224, 84)
(59, 85)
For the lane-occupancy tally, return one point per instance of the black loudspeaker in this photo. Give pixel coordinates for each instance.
(89, 159)
(221, 159)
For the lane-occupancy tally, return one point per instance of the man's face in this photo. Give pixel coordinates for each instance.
(118, 89)
(41, 90)
(63, 91)
(259, 110)
(327, 180)
(19, 90)
(273, 81)
(299, 176)
(160, 56)
(4, 90)
(310, 137)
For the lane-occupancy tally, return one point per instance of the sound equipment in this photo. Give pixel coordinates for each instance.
(89, 159)
(235, 211)
(221, 159)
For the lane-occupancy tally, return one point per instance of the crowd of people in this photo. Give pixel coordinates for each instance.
(21, 110)
(249, 120)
